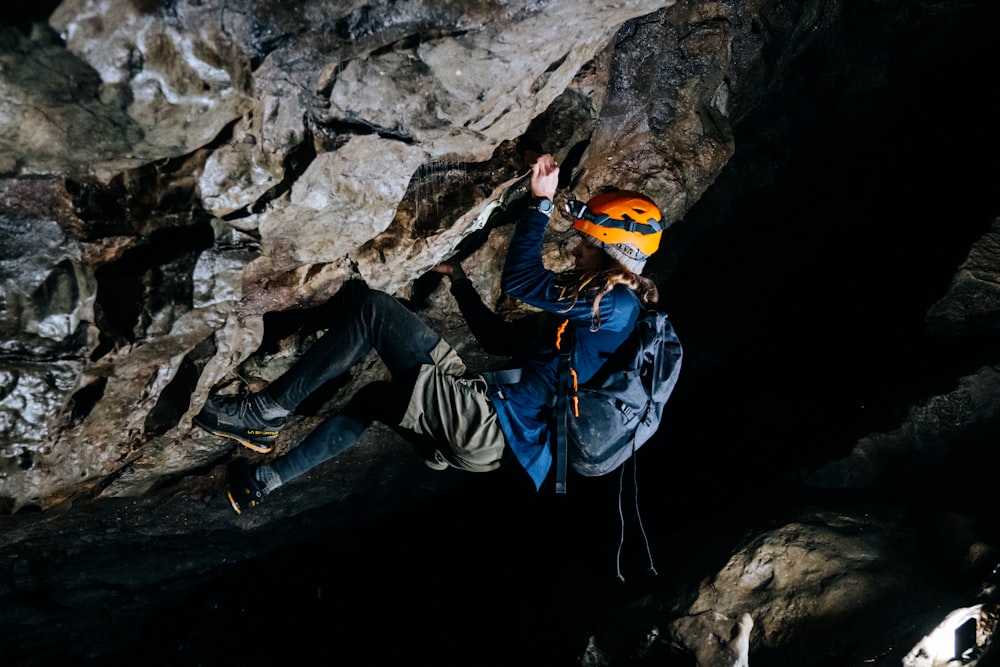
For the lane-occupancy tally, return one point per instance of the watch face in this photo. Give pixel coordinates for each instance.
(545, 205)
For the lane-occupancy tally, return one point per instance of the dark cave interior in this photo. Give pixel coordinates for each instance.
(800, 301)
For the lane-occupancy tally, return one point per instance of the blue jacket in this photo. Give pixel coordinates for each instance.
(523, 408)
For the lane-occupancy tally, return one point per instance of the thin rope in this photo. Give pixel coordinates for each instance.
(635, 484)
(638, 514)
(621, 517)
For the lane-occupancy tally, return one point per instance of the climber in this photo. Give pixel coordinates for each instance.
(471, 421)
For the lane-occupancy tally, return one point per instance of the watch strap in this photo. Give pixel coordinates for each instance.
(542, 205)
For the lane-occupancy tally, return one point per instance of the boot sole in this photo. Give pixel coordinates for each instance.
(232, 501)
(263, 449)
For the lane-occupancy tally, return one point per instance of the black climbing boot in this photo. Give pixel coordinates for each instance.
(239, 418)
(244, 490)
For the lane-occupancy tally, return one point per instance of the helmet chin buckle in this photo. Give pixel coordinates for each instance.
(579, 210)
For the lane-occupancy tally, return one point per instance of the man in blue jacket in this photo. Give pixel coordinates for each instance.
(470, 420)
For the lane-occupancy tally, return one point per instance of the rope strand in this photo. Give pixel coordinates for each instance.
(635, 484)
(638, 514)
(621, 516)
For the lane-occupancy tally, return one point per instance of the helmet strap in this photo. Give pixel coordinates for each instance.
(578, 209)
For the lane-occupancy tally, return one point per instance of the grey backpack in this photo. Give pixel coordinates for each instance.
(602, 422)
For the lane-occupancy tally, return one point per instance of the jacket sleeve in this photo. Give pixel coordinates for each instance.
(493, 333)
(525, 277)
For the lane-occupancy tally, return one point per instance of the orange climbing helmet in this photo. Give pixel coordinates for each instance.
(626, 224)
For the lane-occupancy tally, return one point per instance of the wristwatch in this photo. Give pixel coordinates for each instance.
(542, 204)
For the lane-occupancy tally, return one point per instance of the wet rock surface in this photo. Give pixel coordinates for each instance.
(185, 184)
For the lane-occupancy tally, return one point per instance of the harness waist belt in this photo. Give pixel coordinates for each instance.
(518, 375)
(506, 376)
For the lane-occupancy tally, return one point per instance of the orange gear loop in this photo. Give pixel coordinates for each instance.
(576, 399)
(572, 371)
(559, 333)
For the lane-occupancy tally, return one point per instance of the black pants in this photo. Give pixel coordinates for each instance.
(366, 319)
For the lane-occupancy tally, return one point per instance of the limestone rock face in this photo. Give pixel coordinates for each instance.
(970, 306)
(58, 124)
(933, 432)
(179, 75)
(327, 150)
(49, 289)
(796, 579)
(820, 587)
(947, 426)
(305, 157)
(47, 312)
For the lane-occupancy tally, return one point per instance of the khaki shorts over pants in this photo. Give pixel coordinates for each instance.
(456, 411)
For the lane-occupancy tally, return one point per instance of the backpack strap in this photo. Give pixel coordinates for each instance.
(503, 376)
(564, 385)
